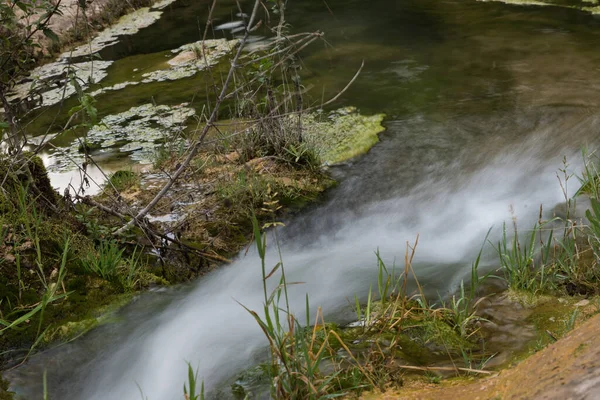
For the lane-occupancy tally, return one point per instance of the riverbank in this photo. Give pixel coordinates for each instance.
(567, 368)
(444, 173)
(66, 250)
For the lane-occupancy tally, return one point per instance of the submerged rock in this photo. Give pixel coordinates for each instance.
(191, 58)
(186, 62)
(138, 131)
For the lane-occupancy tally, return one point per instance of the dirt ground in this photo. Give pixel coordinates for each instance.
(567, 369)
(70, 12)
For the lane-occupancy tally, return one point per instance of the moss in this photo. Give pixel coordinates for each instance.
(97, 314)
(124, 179)
(87, 147)
(343, 135)
(5, 394)
(527, 299)
(27, 174)
(147, 279)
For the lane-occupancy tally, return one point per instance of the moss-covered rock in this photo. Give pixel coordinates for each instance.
(342, 134)
(26, 179)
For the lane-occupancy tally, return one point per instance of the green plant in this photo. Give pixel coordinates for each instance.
(86, 216)
(593, 216)
(105, 262)
(129, 276)
(297, 353)
(29, 215)
(463, 304)
(570, 323)
(50, 295)
(162, 155)
(525, 265)
(590, 177)
(123, 179)
(193, 382)
(475, 360)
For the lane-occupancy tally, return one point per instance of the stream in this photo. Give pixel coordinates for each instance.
(483, 101)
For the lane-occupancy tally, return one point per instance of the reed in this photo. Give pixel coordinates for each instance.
(525, 264)
(297, 351)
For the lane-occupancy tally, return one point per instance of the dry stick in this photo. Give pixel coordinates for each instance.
(200, 140)
(281, 18)
(87, 200)
(477, 371)
(209, 22)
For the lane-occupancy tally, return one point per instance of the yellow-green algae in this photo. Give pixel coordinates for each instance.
(342, 134)
(73, 329)
(552, 317)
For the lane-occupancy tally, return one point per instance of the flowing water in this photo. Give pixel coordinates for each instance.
(483, 101)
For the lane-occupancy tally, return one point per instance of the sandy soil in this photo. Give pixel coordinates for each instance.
(71, 13)
(567, 369)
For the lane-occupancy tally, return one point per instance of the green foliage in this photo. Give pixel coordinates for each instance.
(249, 192)
(593, 216)
(193, 383)
(129, 276)
(105, 262)
(525, 265)
(87, 217)
(297, 353)
(463, 304)
(109, 264)
(123, 179)
(590, 177)
(52, 294)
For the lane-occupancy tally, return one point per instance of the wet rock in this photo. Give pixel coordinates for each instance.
(582, 303)
(192, 58)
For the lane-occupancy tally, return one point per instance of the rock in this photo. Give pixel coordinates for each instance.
(182, 58)
(582, 303)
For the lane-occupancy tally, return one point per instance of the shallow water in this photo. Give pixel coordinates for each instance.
(483, 101)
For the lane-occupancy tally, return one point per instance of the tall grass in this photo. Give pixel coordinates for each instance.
(29, 216)
(191, 390)
(50, 295)
(105, 262)
(297, 351)
(524, 261)
(590, 177)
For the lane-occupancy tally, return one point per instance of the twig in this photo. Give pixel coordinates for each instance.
(195, 147)
(476, 371)
(87, 200)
